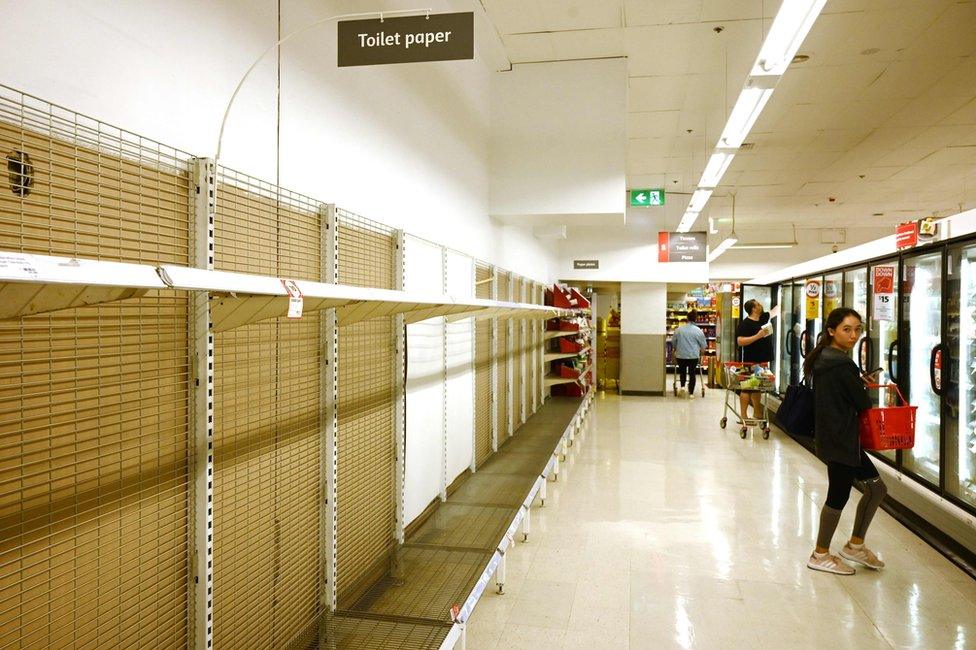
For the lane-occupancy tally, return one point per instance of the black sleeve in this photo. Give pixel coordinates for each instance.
(743, 328)
(855, 388)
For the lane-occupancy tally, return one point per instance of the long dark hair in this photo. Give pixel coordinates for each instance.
(834, 319)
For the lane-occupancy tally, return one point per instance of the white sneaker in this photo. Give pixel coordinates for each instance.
(691, 396)
(829, 563)
(862, 555)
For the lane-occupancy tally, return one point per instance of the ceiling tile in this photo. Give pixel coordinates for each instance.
(652, 124)
(665, 93)
(532, 47)
(662, 12)
(588, 44)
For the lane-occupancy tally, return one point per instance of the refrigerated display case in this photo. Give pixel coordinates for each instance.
(921, 315)
(786, 341)
(833, 293)
(856, 297)
(960, 410)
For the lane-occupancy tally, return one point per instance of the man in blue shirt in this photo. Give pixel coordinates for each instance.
(689, 343)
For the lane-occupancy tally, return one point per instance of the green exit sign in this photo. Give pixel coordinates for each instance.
(646, 197)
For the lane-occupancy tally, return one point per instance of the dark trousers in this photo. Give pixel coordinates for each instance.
(688, 367)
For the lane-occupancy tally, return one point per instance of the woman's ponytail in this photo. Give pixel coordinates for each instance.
(834, 319)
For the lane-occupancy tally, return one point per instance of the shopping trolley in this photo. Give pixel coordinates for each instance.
(740, 376)
(701, 378)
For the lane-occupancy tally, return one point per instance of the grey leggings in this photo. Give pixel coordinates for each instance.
(842, 478)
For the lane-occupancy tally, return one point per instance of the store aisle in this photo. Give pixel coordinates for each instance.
(665, 531)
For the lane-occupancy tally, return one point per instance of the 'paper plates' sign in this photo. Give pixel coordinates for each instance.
(410, 39)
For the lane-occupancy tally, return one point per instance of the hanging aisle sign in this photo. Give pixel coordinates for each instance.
(813, 299)
(884, 293)
(681, 246)
(410, 39)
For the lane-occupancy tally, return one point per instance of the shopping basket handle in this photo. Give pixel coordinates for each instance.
(904, 402)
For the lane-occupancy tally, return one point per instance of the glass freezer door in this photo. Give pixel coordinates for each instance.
(787, 339)
(960, 414)
(921, 316)
(879, 345)
(813, 313)
(856, 297)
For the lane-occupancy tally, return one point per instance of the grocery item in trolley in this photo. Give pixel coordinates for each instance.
(749, 377)
(888, 427)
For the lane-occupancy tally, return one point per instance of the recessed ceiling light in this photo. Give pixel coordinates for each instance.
(800, 58)
(870, 51)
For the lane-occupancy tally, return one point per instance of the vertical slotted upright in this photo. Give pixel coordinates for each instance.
(483, 394)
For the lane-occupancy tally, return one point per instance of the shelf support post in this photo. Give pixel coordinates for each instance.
(203, 208)
(494, 366)
(329, 468)
(400, 389)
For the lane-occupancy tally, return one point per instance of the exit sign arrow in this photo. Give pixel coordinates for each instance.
(645, 197)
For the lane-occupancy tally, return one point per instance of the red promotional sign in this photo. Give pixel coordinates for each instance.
(906, 235)
(884, 279)
(663, 247)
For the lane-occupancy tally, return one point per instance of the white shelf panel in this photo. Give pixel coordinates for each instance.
(556, 356)
(31, 284)
(35, 284)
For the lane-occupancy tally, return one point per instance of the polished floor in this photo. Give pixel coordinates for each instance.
(664, 531)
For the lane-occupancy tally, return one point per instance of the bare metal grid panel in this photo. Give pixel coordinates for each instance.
(464, 526)
(351, 631)
(94, 480)
(425, 582)
(503, 359)
(482, 377)
(267, 398)
(78, 187)
(518, 347)
(263, 229)
(365, 488)
(94, 402)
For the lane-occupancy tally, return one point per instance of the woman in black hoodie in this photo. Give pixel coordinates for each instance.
(839, 397)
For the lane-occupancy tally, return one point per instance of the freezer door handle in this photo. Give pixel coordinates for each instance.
(937, 369)
(891, 358)
(861, 365)
(804, 343)
(790, 338)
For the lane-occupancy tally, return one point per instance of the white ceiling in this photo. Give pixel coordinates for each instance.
(882, 117)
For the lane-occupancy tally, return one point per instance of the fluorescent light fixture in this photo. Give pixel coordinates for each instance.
(793, 22)
(744, 114)
(698, 200)
(687, 221)
(721, 248)
(712, 230)
(716, 167)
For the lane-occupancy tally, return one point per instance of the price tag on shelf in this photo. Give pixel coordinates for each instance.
(295, 299)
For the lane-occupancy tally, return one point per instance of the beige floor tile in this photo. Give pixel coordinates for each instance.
(668, 532)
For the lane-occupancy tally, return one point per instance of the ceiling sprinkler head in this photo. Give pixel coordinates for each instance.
(718, 29)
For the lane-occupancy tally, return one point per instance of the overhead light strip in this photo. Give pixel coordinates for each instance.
(790, 27)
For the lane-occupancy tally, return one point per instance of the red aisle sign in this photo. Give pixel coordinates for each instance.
(906, 235)
(663, 247)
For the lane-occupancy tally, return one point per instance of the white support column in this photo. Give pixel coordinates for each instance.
(329, 468)
(543, 492)
(474, 374)
(510, 352)
(526, 524)
(495, 434)
(203, 208)
(399, 383)
(444, 395)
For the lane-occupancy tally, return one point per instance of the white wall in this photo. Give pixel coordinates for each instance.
(626, 253)
(558, 139)
(643, 308)
(423, 474)
(402, 144)
(460, 375)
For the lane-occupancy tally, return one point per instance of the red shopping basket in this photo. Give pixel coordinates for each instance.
(888, 427)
